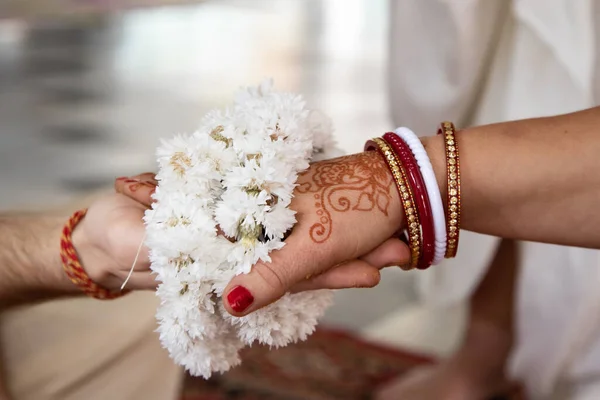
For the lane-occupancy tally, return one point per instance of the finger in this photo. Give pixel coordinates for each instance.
(148, 177)
(360, 273)
(260, 287)
(393, 252)
(145, 177)
(140, 188)
(352, 274)
(267, 282)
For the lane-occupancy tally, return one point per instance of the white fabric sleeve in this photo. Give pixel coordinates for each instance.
(439, 53)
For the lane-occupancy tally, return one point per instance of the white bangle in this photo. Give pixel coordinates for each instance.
(433, 190)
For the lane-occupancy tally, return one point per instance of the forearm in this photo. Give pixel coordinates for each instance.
(30, 264)
(532, 180)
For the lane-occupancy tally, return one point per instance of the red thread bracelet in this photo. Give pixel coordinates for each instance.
(73, 268)
(417, 184)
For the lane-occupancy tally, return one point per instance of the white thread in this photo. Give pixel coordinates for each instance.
(137, 255)
(433, 190)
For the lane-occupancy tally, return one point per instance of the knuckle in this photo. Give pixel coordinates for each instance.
(275, 277)
(351, 248)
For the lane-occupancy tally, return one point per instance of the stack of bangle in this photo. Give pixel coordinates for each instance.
(431, 233)
(406, 197)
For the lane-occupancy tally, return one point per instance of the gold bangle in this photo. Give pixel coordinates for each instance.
(407, 200)
(453, 198)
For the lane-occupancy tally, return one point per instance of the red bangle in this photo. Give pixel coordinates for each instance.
(413, 230)
(415, 180)
(73, 267)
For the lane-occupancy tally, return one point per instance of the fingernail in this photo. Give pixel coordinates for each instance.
(122, 178)
(129, 180)
(240, 299)
(151, 184)
(402, 264)
(405, 266)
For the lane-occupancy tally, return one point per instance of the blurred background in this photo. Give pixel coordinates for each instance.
(87, 91)
(86, 96)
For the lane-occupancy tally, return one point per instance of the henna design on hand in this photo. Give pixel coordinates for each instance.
(360, 182)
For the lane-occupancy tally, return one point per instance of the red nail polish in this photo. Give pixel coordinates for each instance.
(240, 298)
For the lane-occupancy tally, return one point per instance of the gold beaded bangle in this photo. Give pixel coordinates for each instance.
(407, 200)
(453, 171)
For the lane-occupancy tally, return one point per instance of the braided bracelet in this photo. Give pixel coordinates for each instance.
(73, 268)
(433, 190)
(415, 180)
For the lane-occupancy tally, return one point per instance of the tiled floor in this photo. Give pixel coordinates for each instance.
(82, 103)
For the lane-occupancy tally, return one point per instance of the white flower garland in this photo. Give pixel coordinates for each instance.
(220, 206)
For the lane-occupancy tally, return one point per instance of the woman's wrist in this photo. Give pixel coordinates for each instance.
(396, 215)
(434, 145)
(435, 148)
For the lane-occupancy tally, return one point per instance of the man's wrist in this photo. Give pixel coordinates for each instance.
(55, 277)
(88, 255)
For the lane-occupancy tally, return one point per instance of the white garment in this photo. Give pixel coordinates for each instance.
(483, 61)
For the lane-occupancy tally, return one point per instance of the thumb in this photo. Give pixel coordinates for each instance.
(267, 282)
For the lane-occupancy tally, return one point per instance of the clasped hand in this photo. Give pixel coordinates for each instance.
(348, 212)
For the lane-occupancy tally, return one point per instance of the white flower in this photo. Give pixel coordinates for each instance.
(278, 221)
(221, 205)
(286, 321)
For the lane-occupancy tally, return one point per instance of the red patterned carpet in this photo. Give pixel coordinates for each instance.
(330, 365)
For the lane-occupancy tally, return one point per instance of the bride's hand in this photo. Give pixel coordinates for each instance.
(348, 209)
